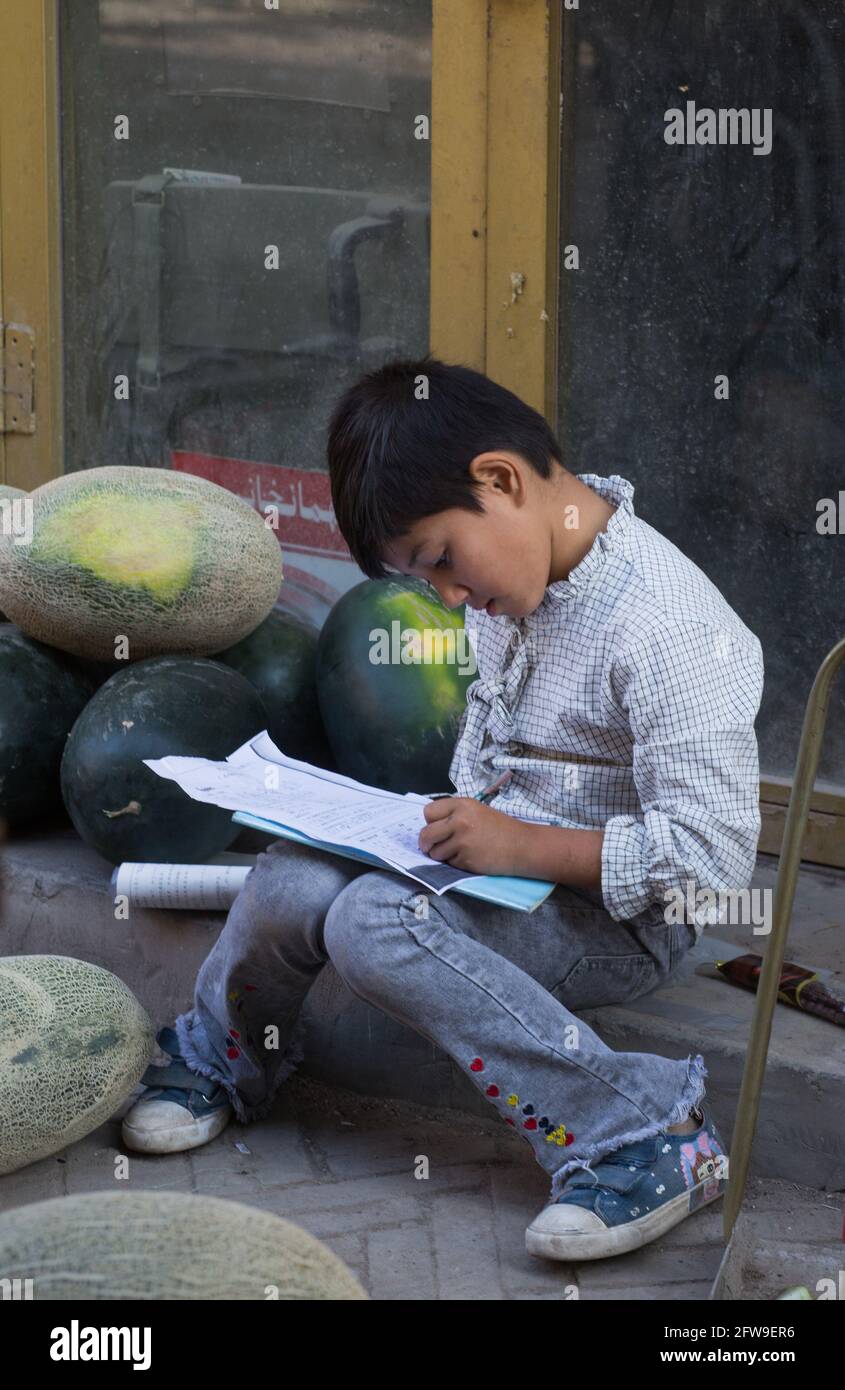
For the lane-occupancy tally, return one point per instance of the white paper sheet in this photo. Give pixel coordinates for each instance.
(321, 804)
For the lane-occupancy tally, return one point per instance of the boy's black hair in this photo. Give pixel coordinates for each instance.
(394, 458)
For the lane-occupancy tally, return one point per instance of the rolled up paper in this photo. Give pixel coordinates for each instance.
(211, 887)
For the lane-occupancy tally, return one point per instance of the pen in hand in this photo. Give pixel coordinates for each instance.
(487, 794)
(484, 795)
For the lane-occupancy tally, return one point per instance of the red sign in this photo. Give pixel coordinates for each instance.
(297, 501)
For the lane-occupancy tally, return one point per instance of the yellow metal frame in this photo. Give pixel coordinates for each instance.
(495, 162)
(30, 230)
(457, 317)
(748, 1104)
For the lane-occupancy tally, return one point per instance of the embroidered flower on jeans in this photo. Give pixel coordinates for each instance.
(559, 1136)
(556, 1135)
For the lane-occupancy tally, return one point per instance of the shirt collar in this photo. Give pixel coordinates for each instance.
(619, 492)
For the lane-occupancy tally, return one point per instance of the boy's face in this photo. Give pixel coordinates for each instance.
(499, 560)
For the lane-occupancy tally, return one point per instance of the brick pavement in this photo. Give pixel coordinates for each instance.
(343, 1167)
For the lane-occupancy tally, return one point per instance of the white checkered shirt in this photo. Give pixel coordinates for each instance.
(625, 702)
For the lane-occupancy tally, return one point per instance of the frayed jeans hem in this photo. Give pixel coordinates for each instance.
(692, 1093)
(244, 1113)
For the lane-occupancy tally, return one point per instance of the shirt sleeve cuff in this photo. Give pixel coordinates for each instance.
(624, 868)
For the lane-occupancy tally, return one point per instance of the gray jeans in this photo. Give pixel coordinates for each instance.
(496, 989)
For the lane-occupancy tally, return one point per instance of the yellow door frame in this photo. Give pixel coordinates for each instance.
(30, 227)
(495, 161)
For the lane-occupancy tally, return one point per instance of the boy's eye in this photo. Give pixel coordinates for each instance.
(440, 561)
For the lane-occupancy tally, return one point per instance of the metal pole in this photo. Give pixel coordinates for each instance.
(809, 748)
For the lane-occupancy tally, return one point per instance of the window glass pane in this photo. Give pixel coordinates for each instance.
(246, 230)
(706, 260)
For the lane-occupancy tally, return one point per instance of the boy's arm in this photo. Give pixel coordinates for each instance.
(691, 695)
(560, 854)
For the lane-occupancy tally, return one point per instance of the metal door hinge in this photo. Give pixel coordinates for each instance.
(17, 379)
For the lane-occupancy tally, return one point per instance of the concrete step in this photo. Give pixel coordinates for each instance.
(54, 898)
(784, 1237)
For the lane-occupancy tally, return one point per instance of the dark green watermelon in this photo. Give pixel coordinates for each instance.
(188, 706)
(279, 658)
(41, 694)
(96, 672)
(393, 725)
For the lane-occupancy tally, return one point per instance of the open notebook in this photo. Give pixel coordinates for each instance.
(524, 894)
(299, 801)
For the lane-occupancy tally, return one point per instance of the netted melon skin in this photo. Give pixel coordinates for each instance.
(168, 560)
(167, 1246)
(74, 1042)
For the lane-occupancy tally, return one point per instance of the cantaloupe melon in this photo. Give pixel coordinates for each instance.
(166, 1246)
(171, 561)
(74, 1042)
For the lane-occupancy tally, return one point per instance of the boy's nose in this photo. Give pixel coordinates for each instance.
(451, 595)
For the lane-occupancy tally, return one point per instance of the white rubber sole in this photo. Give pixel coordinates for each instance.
(571, 1233)
(163, 1127)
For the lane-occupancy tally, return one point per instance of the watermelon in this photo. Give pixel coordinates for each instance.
(168, 561)
(279, 658)
(393, 724)
(41, 694)
(189, 706)
(74, 1043)
(166, 1246)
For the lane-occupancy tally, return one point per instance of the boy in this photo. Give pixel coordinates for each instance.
(621, 690)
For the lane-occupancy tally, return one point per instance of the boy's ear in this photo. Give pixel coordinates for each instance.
(485, 466)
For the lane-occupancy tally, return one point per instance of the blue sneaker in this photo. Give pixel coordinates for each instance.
(638, 1192)
(178, 1110)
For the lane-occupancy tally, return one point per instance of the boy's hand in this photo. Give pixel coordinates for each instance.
(468, 835)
